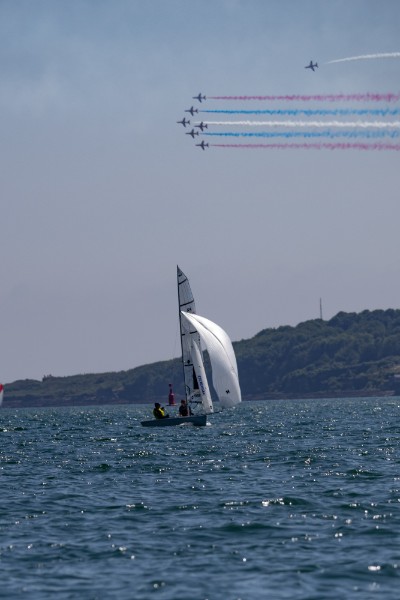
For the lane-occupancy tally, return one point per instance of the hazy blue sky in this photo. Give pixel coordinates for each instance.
(102, 195)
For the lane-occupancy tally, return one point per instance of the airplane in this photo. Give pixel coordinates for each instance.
(184, 122)
(199, 98)
(312, 66)
(203, 146)
(192, 110)
(202, 125)
(192, 133)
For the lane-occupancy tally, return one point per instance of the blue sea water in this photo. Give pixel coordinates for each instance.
(277, 499)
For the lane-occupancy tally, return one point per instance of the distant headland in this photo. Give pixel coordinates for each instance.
(352, 354)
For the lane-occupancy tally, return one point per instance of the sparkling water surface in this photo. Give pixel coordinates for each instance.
(276, 499)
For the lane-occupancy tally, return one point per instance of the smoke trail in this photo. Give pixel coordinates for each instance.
(365, 57)
(342, 112)
(308, 134)
(348, 124)
(314, 146)
(368, 97)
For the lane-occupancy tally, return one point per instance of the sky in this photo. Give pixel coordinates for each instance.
(102, 195)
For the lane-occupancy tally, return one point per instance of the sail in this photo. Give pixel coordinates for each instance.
(1, 393)
(222, 357)
(198, 364)
(188, 332)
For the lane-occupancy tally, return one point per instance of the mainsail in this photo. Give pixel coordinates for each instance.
(222, 358)
(188, 333)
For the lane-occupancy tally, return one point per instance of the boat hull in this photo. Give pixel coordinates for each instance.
(197, 420)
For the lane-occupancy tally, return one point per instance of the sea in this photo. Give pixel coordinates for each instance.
(285, 499)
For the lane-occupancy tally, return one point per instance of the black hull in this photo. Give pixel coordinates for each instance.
(197, 420)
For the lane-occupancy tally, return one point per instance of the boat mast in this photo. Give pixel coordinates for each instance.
(179, 275)
(187, 305)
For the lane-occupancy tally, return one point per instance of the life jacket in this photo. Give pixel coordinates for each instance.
(159, 413)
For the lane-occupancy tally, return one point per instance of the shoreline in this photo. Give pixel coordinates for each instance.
(29, 402)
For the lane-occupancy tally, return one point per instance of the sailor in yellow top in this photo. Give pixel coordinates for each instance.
(159, 412)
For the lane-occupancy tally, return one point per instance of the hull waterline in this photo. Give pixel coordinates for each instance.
(196, 420)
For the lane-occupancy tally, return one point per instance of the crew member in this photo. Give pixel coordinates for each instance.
(159, 412)
(184, 409)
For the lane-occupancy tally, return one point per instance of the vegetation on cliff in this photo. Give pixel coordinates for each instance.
(355, 353)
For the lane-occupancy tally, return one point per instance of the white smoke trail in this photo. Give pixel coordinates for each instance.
(348, 124)
(365, 57)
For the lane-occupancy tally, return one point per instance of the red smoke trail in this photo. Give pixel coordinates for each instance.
(368, 97)
(315, 146)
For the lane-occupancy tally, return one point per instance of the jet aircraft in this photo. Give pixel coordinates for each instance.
(192, 133)
(184, 122)
(202, 125)
(192, 110)
(203, 145)
(312, 66)
(199, 98)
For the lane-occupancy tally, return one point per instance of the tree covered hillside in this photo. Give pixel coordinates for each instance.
(352, 353)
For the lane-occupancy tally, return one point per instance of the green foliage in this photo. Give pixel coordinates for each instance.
(350, 353)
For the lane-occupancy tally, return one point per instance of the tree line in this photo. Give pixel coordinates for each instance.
(355, 353)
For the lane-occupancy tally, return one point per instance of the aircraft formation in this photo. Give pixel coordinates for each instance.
(201, 125)
(362, 121)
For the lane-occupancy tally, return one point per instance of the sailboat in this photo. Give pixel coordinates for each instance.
(1, 393)
(195, 331)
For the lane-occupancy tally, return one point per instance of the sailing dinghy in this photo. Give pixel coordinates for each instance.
(195, 331)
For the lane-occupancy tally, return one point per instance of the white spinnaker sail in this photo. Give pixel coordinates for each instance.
(198, 364)
(222, 357)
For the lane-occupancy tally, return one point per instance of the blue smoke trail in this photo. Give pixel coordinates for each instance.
(381, 112)
(310, 134)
